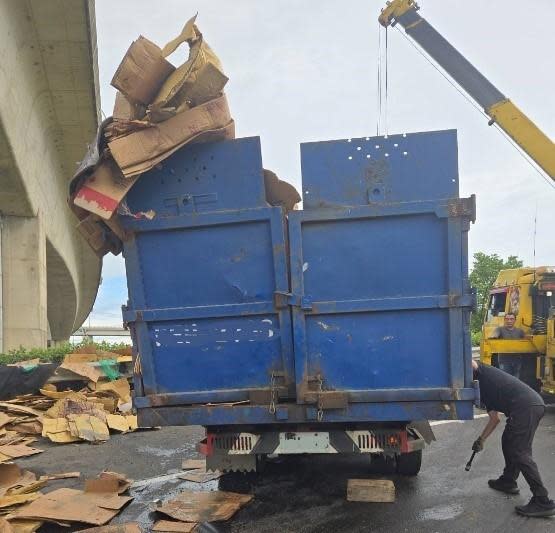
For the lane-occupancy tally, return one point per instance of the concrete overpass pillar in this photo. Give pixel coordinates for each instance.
(23, 312)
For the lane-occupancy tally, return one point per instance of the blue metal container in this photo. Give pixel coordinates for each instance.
(355, 309)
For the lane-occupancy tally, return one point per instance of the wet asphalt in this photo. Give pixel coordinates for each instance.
(307, 493)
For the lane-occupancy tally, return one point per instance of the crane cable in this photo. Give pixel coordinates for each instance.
(524, 155)
(386, 81)
(383, 83)
(379, 91)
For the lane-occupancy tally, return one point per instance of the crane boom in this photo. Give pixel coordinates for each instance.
(496, 105)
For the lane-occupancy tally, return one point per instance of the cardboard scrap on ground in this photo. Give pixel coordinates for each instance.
(196, 471)
(170, 526)
(12, 500)
(108, 482)
(5, 526)
(12, 407)
(193, 464)
(71, 505)
(13, 451)
(30, 427)
(83, 370)
(370, 490)
(18, 487)
(57, 430)
(88, 427)
(71, 406)
(57, 414)
(122, 423)
(23, 526)
(214, 506)
(62, 475)
(120, 387)
(131, 527)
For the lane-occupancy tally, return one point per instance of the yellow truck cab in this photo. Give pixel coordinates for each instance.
(529, 293)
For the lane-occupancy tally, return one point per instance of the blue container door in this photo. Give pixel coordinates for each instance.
(382, 300)
(202, 305)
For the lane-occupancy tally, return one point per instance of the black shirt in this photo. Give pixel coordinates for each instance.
(502, 392)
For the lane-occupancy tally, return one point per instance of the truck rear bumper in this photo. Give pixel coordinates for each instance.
(218, 445)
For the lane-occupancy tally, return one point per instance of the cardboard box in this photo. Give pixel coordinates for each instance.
(198, 80)
(142, 71)
(141, 150)
(103, 190)
(124, 109)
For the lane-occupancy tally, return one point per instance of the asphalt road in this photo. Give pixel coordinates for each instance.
(307, 494)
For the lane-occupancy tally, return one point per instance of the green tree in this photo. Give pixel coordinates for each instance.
(484, 272)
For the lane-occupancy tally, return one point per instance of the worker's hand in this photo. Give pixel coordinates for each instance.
(478, 445)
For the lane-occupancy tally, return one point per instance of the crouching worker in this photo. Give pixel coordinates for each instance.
(524, 408)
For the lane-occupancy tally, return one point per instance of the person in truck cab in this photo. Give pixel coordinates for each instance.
(507, 362)
(524, 408)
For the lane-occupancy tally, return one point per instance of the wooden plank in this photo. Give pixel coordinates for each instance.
(370, 490)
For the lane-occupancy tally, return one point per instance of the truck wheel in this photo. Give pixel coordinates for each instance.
(408, 464)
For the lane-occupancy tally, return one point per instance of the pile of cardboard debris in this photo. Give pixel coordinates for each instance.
(159, 109)
(24, 508)
(85, 414)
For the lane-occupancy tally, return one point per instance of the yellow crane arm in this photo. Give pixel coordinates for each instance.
(499, 108)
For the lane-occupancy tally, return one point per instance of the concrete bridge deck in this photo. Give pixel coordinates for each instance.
(49, 111)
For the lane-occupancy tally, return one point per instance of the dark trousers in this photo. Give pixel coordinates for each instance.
(517, 448)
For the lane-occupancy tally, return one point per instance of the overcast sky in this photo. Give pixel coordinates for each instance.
(307, 70)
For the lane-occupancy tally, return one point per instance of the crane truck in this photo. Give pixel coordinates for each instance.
(526, 292)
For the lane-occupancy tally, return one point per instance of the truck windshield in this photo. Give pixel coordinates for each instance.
(496, 304)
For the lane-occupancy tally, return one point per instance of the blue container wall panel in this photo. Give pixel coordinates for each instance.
(370, 293)
(376, 257)
(211, 265)
(215, 353)
(203, 178)
(396, 168)
(202, 303)
(406, 278)
(380, 350)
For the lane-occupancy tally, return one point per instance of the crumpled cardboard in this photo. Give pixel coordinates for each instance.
(198, 80)
(279, 192)
(158, 109)
(142, 71)
(103, 191)
(125, 110)
(140, 151)
(88, 427)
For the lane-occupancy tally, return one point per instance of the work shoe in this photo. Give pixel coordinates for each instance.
(537, 507)
(509, 487)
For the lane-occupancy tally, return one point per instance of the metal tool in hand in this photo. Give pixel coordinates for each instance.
(469, 464)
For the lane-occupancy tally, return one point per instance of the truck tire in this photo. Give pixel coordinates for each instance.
(408, 464)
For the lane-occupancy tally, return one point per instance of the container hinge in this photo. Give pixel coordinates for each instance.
(284, 299)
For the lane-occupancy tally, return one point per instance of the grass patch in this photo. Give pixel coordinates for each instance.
(55, 354)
